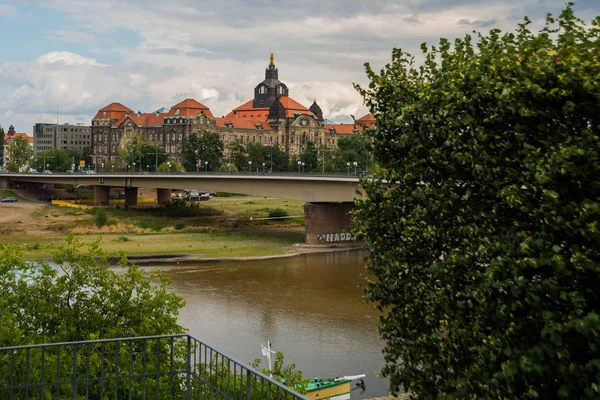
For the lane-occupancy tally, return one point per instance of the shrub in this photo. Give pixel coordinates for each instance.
(100, 219)
(485, 249)
(278, 213)
(180, 225)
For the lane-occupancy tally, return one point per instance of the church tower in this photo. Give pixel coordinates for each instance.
(269, 90)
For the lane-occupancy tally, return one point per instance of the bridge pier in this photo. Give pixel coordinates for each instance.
(131, 195)
(101, 195)
(328, 223)
(163, 196)
(3, 182)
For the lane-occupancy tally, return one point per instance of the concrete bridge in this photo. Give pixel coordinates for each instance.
(329, 199)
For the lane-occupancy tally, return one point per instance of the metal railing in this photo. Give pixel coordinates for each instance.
(153, 367)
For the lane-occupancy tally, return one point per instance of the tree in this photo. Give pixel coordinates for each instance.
(484, 252)
(170, 166)
(256, 154)
(20, 151)
(309, 157)
(197, 150)
(151, 156)
(55, 160)
(86, 300)
(277, 159)
(130, 150)
(237, 155)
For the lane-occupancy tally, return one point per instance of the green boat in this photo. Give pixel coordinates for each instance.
(333, 388)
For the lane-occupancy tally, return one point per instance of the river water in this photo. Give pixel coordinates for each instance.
(308, 306)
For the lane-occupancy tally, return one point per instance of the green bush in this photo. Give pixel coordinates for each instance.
(485, 249)
(100, 219)
(278, 212)
(180, 225)
(112, 221)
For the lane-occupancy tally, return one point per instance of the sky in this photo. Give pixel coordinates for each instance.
(77, 56)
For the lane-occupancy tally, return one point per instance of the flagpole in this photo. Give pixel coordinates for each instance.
(269, 356)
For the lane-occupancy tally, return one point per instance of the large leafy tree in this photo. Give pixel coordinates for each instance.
(80, 298)
(484, 250)
(55, 160)
(238, 155)
(277, 159)
(197, 150)
(309, 157)
(152, 156)
(20, 151)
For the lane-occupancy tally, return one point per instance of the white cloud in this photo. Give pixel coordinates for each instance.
(216, 52)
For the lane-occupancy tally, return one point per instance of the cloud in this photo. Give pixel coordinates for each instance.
(216, 52)
(477, 23)
(6, 10)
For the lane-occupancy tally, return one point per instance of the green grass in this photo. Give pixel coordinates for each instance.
(9, 193)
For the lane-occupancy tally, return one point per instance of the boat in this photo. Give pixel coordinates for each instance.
(337, 388)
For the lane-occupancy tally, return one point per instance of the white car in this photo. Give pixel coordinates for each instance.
(90, 172)
(47, 172)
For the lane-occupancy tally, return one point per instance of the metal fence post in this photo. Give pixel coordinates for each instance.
(248, 375)
(189, 368)
(74, 371)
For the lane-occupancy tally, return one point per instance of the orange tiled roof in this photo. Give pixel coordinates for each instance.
(343, 129)
(367, 120)
(247, 111)
(11, 138)
(146, 119)
(113, 111)
(243, 123)
(189, 108)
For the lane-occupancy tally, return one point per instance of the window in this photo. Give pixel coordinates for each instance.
(177, 112)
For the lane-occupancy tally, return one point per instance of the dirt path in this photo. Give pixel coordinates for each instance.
(17, 212)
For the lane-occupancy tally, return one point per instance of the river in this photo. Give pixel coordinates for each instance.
(309, 307)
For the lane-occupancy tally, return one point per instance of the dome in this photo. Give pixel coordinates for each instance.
(316, 110)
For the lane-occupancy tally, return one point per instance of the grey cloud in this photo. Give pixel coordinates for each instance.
(477, 23)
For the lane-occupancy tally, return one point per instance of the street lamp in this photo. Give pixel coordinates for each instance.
(102, 165)
(134, 166)
(127, 167)
(169, 166)
(250, 165)
(302, 167)
(299, 165)
(206, 167)
(263, 167)
(355, 164)
(347, 168)
(147, 167)
(197, 161)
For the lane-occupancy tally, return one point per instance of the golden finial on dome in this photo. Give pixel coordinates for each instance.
(272, 63)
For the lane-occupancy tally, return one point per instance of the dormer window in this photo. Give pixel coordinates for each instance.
(259, 126)
(262, 89)
(177, 112)
(228, 125)
(332, 130)
(104, 114)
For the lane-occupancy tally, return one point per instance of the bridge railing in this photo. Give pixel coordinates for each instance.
(209, 173)
(155, 367)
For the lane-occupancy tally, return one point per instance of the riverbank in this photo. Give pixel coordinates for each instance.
(221, 229)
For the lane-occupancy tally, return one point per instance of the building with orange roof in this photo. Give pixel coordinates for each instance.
(271, 118)
(9, 138)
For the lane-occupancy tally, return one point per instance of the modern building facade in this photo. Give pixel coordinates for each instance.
(66, 136)
(271, 118)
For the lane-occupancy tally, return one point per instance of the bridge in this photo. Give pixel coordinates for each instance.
(329, 198)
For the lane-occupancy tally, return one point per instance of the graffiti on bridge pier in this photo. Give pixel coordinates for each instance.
(336, 237)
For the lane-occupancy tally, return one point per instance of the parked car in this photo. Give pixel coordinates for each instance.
(181, 172)
(90, 172)
(47, 172)
(70, 171)
(9, 200)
